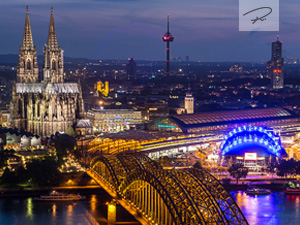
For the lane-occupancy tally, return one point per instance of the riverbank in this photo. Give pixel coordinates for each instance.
(243, 187)
(266, 182)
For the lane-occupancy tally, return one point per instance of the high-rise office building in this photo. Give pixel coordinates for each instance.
(131, 69)
(275, 65)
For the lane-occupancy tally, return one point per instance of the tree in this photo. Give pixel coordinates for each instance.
(3, 158)
(21, 174)
(272, 165)
(71, 132)
(286, 167)
(62, 143)
(8, 177)
(43, 172)
(238, 171)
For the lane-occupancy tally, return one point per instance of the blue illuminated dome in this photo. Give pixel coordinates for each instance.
(243, 138)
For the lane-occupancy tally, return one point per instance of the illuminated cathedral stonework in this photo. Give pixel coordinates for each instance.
(44, 106)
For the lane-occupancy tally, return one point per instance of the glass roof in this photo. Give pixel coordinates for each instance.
(232, 115)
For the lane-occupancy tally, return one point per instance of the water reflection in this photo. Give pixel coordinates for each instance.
(29, 208)
(27, 211)
(70, 210)
(273, 209)
(93, 202)
(53, 210)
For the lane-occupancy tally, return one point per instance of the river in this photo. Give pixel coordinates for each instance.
(27, 211)
(273, 209)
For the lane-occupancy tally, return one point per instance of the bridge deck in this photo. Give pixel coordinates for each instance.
(113, 194)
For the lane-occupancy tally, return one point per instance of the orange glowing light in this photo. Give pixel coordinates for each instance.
(277, 71)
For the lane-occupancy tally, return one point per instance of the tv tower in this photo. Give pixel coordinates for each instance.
(168, 38)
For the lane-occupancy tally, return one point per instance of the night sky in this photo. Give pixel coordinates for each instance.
(206, 30)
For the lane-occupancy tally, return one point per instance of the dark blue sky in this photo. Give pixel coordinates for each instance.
(206, 30)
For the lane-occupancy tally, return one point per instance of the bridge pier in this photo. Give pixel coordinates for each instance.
(112, 212)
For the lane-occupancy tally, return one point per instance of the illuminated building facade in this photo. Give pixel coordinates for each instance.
(114, 120)
(275, 65)
(5, 118)
(18, 139)
(181, 104)
(102, 88)
(45, 106)
(154, 109)
(84, 128)
(251, 145)
(189, 103)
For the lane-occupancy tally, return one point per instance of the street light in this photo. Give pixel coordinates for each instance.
(101, 103)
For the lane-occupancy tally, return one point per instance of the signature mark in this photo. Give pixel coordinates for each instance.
(263, 18)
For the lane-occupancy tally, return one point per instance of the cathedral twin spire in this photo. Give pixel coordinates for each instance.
(52, 40)
(53, 62)
(27, 69)
(27, 39)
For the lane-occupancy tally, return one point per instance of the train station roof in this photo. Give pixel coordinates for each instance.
(232, 116)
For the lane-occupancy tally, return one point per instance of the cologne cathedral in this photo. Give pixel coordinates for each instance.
(45, 105)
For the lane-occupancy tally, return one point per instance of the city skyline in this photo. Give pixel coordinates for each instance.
(90, 105)
(123, 28)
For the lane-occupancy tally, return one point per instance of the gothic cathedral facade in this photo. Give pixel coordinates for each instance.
(47, 105)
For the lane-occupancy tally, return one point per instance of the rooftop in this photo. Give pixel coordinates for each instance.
(47, 88)
(221, 117)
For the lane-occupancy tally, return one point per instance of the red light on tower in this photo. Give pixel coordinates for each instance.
(276, 71)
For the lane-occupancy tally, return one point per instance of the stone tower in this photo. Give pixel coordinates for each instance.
(53, 68)
(45, 106)
(27, 69)
(189, 103)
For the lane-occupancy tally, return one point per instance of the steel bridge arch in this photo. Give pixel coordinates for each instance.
(186, 196)
(121, 165)
(103, 166)
(159, 188)
(225, 201)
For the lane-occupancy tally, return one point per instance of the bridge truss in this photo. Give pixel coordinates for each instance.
(167, 197)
